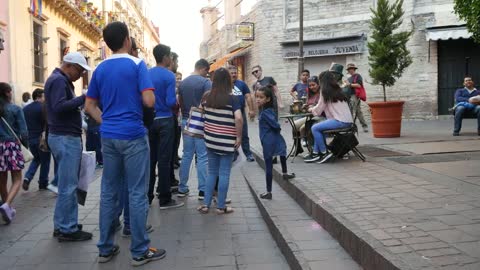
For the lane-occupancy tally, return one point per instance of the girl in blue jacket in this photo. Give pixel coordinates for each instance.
(272, 141)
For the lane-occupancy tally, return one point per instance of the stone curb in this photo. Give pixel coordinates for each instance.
(364, 249)
(281, 236)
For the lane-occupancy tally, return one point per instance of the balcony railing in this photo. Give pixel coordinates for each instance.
(82, 14)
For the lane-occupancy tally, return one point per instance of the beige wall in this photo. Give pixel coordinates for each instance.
(21, 45)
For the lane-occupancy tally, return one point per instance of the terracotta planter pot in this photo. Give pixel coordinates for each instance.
(386, 118)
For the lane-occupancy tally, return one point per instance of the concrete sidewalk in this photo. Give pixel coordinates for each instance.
(419, 209)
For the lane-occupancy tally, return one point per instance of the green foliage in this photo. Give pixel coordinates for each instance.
(469, 11)
(389, 56)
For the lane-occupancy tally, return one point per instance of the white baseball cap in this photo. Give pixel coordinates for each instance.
(76, 58)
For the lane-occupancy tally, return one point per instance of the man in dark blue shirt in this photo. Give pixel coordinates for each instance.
(241, 90)
(162, 135)
(65, 142)
(36, 126)
(464, 105)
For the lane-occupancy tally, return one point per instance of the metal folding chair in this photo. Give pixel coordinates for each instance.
(347, 145)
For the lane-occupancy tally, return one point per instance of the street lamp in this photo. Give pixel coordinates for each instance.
(300, 41)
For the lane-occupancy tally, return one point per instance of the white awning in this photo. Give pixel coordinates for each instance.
(447, 33)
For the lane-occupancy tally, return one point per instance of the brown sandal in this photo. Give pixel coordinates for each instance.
(226, 210)
(203, 209)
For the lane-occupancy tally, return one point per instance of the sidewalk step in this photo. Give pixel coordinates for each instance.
(303, 242)
(356, 242)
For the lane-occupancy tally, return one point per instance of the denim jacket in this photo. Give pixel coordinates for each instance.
(15, 118)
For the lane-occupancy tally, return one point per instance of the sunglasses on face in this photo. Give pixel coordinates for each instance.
(80, 69)
(255, 71)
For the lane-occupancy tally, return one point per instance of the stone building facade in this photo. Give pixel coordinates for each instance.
(35, 42)
(338, 31)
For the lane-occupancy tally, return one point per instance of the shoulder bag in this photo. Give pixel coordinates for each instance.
(360, 91)
(27, 155)
(195, 123)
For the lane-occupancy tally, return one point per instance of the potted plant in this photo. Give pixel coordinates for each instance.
(388, 59)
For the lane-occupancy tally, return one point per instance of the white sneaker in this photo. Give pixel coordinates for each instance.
(52, 188)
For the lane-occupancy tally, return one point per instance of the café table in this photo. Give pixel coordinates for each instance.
(295, 132)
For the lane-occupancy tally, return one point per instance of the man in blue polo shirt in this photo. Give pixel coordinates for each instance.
(121, 85)
(241, 90)
(162, 133)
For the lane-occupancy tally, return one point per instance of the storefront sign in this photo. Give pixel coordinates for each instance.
(246, 31)
(325, 48)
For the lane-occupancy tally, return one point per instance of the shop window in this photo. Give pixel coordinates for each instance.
(38, 53)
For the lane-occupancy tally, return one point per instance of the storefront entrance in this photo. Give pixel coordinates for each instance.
(456, 59)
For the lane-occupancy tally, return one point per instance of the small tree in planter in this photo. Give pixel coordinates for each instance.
(389, 57)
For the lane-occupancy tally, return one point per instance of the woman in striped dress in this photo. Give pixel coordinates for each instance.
(223, 135)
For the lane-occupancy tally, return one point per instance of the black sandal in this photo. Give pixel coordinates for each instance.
(226, 210)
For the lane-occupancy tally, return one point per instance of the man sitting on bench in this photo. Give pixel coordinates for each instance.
(466, 104)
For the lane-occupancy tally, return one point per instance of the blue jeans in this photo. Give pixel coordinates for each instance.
(193, 145)
(67, 151)
(124, 161)
(162, 140)
(320, 145)
(41, 159)
(459, 111)
(245, 139)
(218, 166)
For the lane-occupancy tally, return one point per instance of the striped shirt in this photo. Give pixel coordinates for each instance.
(220, 131)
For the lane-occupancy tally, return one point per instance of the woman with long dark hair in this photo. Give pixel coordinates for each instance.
(313, 95)
(11, 158)
(223, 135)
(335, 105)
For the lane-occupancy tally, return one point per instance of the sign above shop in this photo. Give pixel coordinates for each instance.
(246, 31)
(317, 48)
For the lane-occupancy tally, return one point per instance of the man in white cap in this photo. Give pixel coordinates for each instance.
(64, 140)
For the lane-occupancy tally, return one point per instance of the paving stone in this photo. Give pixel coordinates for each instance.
(453, 236)
(471, 248)
(418, 240)
(399, 249)
(452, 260)
(426, 246)
(431, 226)
(455, 220)
(439, 252)
(379, 234)
(391, 242)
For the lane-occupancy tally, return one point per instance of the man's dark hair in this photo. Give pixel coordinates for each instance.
(115, 34)
(37, 93)
(160, 51)
(202, 63)
(306, 70)
(25, 96)
(174, 56)
(134, 43)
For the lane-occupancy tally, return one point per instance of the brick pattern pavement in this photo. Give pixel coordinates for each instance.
(305, 244)
(423, 222)
(193, 241)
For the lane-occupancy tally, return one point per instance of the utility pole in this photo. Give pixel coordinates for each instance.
(300, 41)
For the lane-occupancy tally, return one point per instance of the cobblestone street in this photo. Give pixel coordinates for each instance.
(193, 241)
